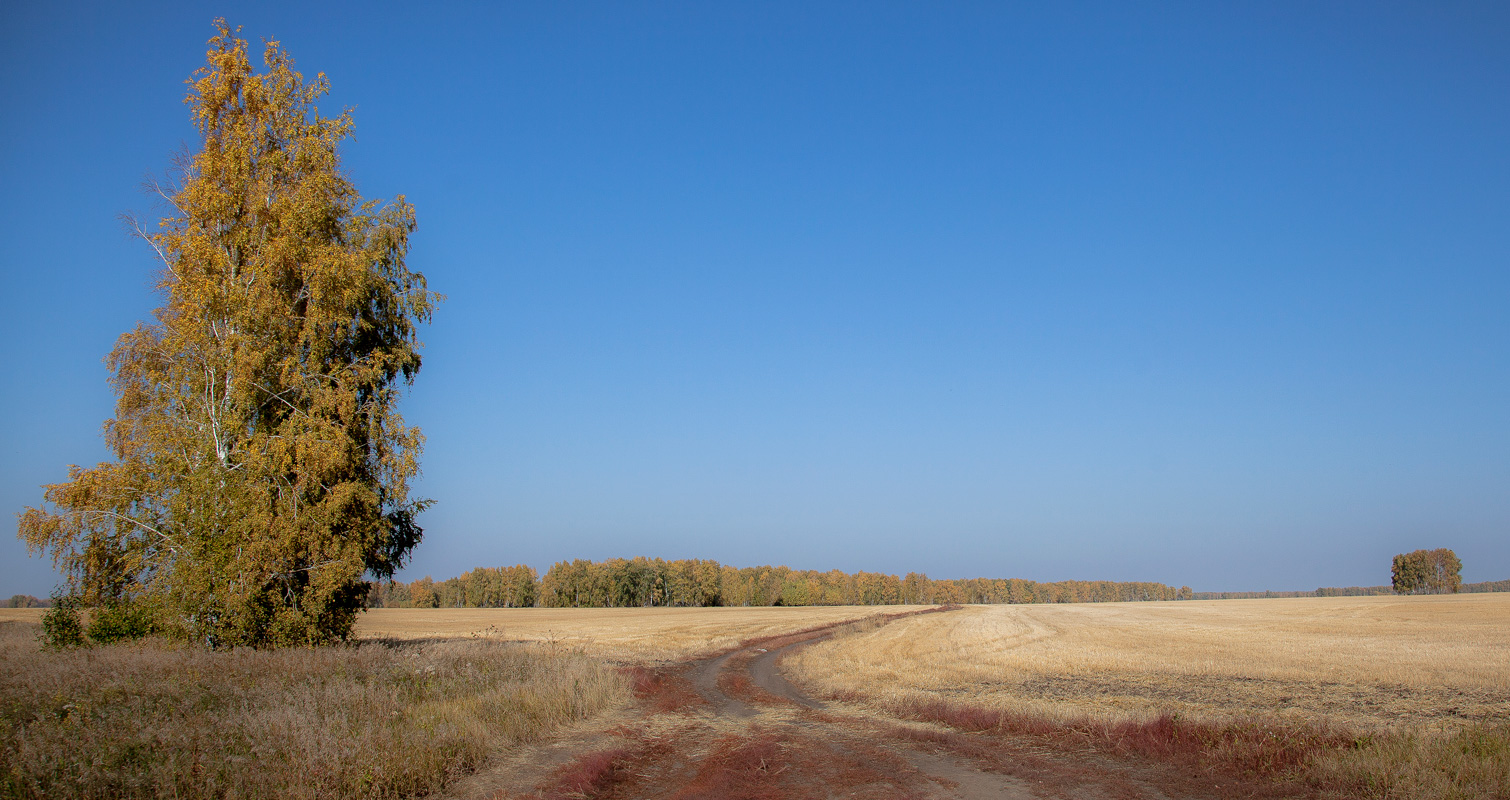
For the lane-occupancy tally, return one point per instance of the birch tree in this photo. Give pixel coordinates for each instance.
(1436, 571)
(261, 468)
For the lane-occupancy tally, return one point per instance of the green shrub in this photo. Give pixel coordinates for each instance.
(120, 622)
(61, 627)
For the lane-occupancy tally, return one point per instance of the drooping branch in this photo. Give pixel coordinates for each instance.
(168, 541)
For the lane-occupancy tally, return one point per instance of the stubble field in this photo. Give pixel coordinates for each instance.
(1364, 663)
(627, 635)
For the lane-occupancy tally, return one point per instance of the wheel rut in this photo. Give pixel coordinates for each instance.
(747, 682)
(734, 726)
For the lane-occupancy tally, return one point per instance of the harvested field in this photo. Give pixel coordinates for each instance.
(622, 634)
(731, 726)
(1323, 698)
(1369, 663)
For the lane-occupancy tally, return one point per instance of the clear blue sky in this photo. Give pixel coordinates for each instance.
(1213, 294)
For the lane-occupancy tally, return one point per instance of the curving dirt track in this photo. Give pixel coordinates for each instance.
(733, 726)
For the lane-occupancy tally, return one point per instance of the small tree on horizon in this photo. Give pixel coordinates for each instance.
(1427, 572)
(261, 468)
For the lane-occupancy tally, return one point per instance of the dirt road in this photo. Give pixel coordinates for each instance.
(733, 726)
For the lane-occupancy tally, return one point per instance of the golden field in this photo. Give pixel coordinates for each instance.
(642, 635)
(1358, 662)
(424, 697)
(1419, 685)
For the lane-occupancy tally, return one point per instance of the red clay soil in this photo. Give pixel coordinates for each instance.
(731, 727)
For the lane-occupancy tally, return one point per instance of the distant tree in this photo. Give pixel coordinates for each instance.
(795, 591)
(519, 586)
(1427, 572)
(1351, 591)
(915, 587)
(948, 592)
(261, 468)
(451, 593)
(422, 593)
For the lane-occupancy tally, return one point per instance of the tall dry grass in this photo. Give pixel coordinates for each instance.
(1470, 763)
(373, 720)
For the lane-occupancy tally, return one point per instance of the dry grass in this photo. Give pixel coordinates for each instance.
(425, 697)
(637, 635)
(1413, 692)
(1360, 662)
(374, 720)
(1472, 763)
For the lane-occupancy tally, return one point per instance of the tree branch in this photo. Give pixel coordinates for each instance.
(168, 540)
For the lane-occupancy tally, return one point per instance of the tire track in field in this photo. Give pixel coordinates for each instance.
(733, 727)
(924, 774)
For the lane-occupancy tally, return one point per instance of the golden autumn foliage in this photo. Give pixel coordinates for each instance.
(1436, 571)
(261, 468)
(642, 582)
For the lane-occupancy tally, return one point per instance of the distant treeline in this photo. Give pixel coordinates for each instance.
(1345, 591)
(1325, 591)
(644, 582)
(25, 601)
